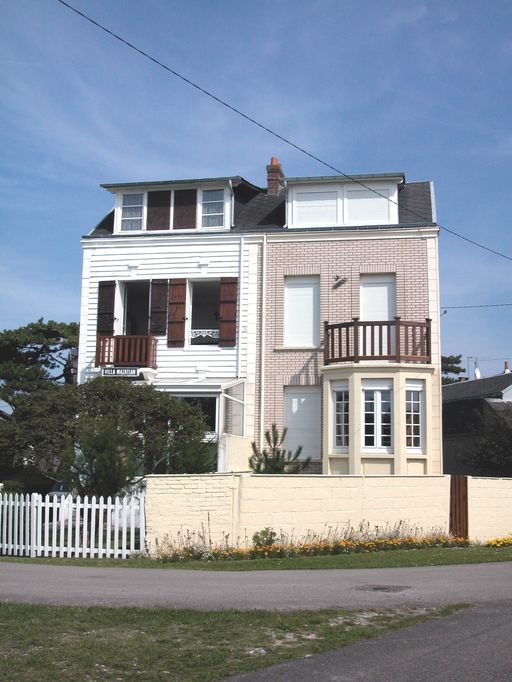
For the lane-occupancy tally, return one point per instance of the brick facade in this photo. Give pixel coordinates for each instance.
(329, 258)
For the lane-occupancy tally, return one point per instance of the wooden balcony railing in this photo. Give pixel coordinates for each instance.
(126, 351)
(395, 340)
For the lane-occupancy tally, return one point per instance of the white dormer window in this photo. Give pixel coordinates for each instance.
(132, 212)
(213, 208)
(332, 204)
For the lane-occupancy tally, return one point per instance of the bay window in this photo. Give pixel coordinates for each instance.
(377, 415)
(341, 416)
(414, 415)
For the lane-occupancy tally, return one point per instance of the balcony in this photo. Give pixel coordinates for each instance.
(126, 351)
(395, 340)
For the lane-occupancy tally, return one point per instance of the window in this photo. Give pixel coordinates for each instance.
(341, 418)
(377, 415)
(208, 406)
(131, 216)
(205, 297)
(414, 414)
(302, 311)
(316, 208)
(302, 418)
(234, 410)
(213, 208)
(368, 208)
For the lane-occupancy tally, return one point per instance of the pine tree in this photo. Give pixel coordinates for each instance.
(276, 459)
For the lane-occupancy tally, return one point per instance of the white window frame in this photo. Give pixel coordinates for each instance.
(378, 386)
(288, 341)
(120, 206)
(338, 387)
(241, 402)
(418, 387)
(343, 190)
(189, 304)
(201, 201)
(302, 189)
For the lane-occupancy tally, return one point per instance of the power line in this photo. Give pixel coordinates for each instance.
(484, 305)
(272, 132)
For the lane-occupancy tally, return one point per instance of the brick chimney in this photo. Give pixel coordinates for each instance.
(275, 177)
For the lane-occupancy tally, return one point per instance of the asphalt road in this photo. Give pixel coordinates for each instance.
(175, 588)
(472, 645)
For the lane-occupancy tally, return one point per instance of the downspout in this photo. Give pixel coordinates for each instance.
(239, 323)
(262, 333)
(231, 204)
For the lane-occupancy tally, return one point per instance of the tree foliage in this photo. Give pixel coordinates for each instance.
(33, 356)
(451, 368)
(64, 431)
(490, 453)
(276, 459)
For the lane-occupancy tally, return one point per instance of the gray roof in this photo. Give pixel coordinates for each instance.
(235, 179)
(415, 204)
(257, 211)
(490, 387)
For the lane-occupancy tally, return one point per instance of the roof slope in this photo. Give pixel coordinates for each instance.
(490, 387)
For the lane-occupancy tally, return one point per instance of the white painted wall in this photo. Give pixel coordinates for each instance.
(145, 257)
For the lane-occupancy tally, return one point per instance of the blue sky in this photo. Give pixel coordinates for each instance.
(419, 87)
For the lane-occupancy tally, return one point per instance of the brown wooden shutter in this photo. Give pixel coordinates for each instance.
(177, 301)
(158, 307)
(159, 210)
(185, 207)
(227, 310)
(106, 299)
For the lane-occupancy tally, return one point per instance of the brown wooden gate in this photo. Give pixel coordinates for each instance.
(459, 506)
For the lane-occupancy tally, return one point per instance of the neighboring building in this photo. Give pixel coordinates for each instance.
(473, 410)
(223, 292)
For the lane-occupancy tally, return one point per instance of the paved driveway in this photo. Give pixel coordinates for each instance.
(175, 588)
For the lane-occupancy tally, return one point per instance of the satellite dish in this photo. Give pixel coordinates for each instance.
(478, 374)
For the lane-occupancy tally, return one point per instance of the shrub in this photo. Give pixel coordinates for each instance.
(276, 459)
(264, 538)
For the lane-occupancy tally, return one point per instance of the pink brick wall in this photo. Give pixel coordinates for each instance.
(406, 258)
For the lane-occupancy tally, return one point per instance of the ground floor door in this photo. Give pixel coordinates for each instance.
(302, 415)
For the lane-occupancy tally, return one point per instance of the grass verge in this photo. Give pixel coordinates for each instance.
(69, 643)
(437, 556)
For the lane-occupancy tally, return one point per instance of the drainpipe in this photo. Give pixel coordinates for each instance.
(239, 322)
(231, 204)
(262, 333)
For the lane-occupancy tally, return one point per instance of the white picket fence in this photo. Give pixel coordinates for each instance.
(54, 526)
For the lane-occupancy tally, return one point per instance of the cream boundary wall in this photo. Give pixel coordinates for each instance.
(239, 504)
(489, 508)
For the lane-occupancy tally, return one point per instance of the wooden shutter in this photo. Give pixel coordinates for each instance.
(185, 207)
(159, 210)
(177, 300)
(106, 300)
(227, 311)
(158, 307)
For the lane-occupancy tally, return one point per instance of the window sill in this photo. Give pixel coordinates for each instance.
(378, 452)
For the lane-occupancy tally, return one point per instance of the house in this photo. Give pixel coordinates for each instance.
(311, 303)
(472, 410)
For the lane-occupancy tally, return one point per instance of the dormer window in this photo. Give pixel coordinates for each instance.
(330, 203)
(132, 211)
(213, 208)
(180, 208)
